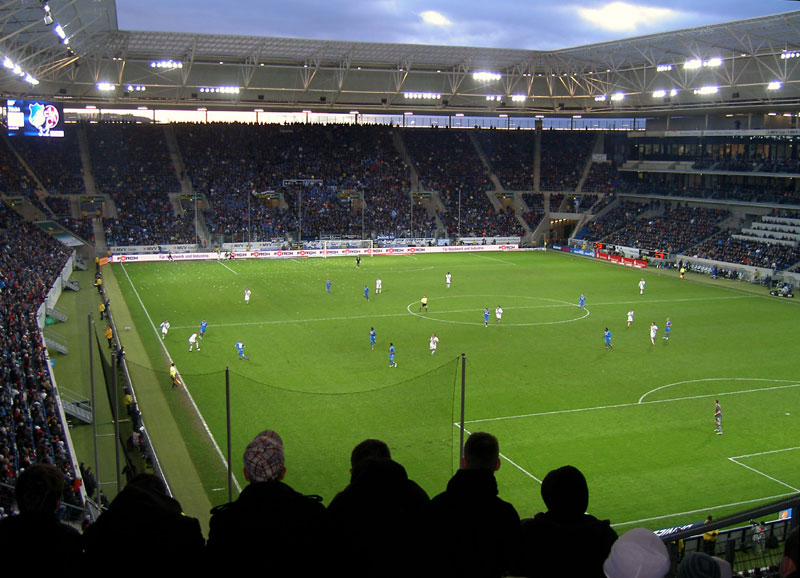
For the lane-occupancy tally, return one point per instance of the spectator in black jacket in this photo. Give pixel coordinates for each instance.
(472, 529)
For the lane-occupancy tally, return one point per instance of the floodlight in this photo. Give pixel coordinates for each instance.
(693, 64)
(518, 98)
(706, 90)
(600, 98)
(659, 93)
(484, 76)
(105, 86)
(713, 62)
(617, 96)
(775, 85)
(60, 32)
(664, 67)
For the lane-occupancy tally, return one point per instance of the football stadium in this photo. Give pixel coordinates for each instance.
(376, 301)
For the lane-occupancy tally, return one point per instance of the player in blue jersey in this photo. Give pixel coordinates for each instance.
(240, 348)
(328, 285)
(667, 329)
(607, 339)
(366, 292)
(582, 301)
(392, 362)
(203, 326)
(372, 338)
(485, 317)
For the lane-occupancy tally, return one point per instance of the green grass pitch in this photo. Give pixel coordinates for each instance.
(637, 420)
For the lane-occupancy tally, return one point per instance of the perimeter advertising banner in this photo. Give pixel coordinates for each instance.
(637, 263)
(308, 253)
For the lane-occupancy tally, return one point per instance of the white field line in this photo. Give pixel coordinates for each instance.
(759, 472)
(641, 399)
(555, 305)
(228, 268)
(618, 405)
(495, 259)
(185, 386)
(710, 508)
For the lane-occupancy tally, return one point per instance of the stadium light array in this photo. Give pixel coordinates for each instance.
(220, 89)
(48, 17)
(423, 95)
(167, 64)
(775, 85)
(663, 93)
(787, 54)
(617, 96)
(600, 98)
(664, 67)
(485, 76)
(695, 63)
(135, 88)
(105, 86)
(494, 97)
(704, 90)
(518, 98)
(17, 70)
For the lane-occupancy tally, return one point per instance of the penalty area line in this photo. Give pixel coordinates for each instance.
(185, 388)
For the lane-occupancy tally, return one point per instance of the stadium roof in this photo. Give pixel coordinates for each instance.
(158, 69)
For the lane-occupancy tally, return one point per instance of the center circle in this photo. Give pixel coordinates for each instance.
(515, 307)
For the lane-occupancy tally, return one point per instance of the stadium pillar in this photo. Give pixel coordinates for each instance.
(228, 422)
(463, 396)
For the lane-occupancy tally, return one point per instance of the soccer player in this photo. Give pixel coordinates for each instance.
(607, 339)
(193, 342)
(358, 261)
(392, 362)
(423, 303)
(203, 327)
(667, 328)
(717, 417)
(366, 292)
(447, 279)
(328, 285)
(630, 317)
(378, 285)
(641, 286)
(247, 296)
(164, 328)
(372, 338)
(582, 301)
(486, 317)
(434, 343)
(653, 332)
(240, 348)
(498, 313)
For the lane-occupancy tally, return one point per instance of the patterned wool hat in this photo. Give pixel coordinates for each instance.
(263, 457)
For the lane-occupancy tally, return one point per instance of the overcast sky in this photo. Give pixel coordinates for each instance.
(492, 23)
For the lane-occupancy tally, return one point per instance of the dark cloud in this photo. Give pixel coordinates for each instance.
(501, 24)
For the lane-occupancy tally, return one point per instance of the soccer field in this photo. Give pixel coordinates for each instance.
(637, 420)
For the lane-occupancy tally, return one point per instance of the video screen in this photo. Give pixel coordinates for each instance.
(34, 118)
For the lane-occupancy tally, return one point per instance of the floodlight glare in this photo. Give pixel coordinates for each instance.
(617, 96)
(484, 76)
(659, 93)
(693, 64)
(60, 32)
(600, 98)
(494, 97)
(518, 98)
(713, 62)
(786, 55)
(7, 63)
(664, 67)
(673, 92)
(105, 86)
(422, 95)
(775, 85)
(707, 90)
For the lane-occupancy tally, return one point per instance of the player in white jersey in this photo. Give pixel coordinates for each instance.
(193, 342)
(164, 328)
(447, 279)
(498, 313)
(641, 286)
(378, 285)
(246, 296)
(434, 342)
(653, 332)
(630, 317)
